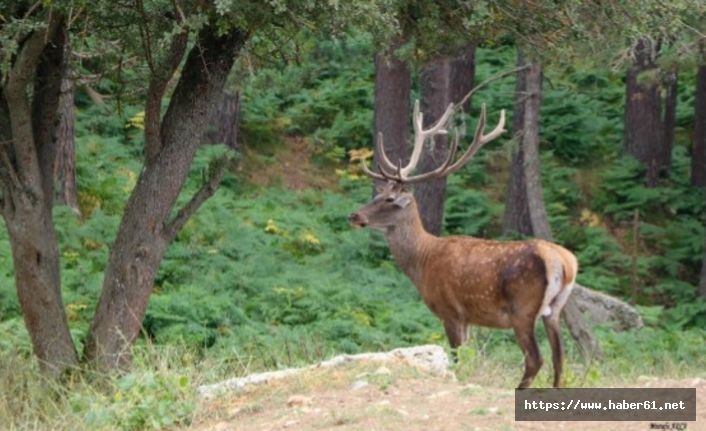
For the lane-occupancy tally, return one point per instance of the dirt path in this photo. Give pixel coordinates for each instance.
(393, 396)
(289, 166)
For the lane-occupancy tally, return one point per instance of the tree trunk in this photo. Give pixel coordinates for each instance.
(36, 263)
(702, 278)
(669, 123)
(146, 229)
(27, 192)
(516, 217)
(698, 150)
(392, 99)
(64, 142)
(644, 132)
(530, 141)
(226, 122)
(443, 81)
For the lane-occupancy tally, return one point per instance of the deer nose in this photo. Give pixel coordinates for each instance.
(358, 220)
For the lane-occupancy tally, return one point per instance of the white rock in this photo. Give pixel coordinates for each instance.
(430, 358)
(359, 384)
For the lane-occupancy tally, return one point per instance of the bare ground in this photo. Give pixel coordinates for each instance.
(396, 397)
(289, 166)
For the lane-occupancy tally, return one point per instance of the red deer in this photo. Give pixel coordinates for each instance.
(466, 280)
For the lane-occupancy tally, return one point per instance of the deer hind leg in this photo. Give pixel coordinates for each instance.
(524, 331)
(457, 333)
(551, 325)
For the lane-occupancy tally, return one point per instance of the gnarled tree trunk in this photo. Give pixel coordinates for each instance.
(146, 228)
(26, 183)
(444, 80)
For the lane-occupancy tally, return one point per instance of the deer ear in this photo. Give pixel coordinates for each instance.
(403, 200)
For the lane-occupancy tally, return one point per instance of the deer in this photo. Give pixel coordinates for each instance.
(466, 280)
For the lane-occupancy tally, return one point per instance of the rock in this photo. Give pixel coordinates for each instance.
(359, 384)
(430, 358)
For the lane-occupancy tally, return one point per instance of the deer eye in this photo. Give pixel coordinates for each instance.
(390, 199)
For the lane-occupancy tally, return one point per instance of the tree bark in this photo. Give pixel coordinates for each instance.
(27, 192)
(226, 122)
(146, 229)
(530, 141)
(444, 80)
(698, 149)
(393, 84)
(516, 217)
(644, 132)
(669, 124)
(702, 278)
(64, 142)
(36, 263)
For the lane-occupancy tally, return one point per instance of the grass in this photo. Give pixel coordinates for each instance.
(160, 390)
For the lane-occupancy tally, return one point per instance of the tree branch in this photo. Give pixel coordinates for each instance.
(145, 35)
(155, 93)
(45, 106)
(15, 92)
(208, 188)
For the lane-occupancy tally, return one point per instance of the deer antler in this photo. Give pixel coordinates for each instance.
(391, 172)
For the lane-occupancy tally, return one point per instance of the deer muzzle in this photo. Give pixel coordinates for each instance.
(357, 220)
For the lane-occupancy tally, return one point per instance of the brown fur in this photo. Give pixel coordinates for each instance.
(466, 280)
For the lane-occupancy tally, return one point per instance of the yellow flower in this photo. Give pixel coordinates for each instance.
(589, 218)
(360, 154)
(271, 227)
(137, 121)
(73, 310)
(310, 238)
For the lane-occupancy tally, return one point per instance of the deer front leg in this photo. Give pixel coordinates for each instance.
(457, 334)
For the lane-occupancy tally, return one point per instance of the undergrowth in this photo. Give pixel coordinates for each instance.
(263, 278)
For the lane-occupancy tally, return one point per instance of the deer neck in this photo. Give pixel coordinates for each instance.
(410, 243)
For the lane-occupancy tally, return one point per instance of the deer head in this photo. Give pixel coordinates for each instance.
(391, 206)
(394, 203)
